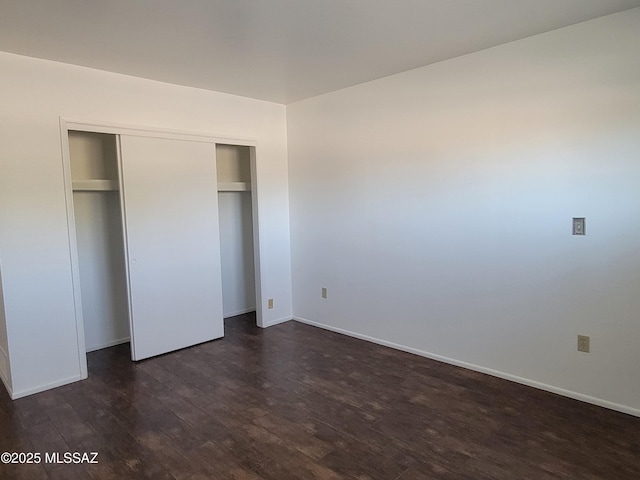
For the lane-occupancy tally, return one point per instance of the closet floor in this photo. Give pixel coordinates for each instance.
(298, 402)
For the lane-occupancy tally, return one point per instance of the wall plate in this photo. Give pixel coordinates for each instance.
(584, 343)
(579, 226)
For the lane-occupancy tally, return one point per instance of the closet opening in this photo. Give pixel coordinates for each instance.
(99, 237)
(151, 212)
(237, 216)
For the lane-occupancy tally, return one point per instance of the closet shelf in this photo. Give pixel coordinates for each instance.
(234, 186)
(95, 185)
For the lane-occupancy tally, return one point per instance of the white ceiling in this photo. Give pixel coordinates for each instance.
(277, 50)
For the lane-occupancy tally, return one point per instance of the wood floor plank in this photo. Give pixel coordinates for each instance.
(297, 402)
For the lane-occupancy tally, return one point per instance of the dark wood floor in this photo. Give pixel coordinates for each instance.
(296, 402)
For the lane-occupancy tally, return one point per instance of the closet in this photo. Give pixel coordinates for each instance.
(147, 244)
(236, 228)
(99, 237)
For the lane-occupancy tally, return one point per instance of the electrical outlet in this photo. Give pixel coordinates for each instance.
(324, 292)
(584, 343)
(270, 303)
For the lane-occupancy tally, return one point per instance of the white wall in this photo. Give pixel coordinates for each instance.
(34, 241)
(236, 250)
(436, 206)
(102, 269)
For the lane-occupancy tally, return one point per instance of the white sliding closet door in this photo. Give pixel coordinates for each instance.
(173, 243)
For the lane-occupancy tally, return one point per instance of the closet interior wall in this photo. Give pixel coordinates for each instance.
(100, 239)
(236, 229)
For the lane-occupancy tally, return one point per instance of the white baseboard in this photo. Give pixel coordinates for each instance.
(495, 373)
(271, 323)
(30, 391)
(239, 312)
(112, 343)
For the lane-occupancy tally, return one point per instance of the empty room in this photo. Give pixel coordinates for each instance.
(311, 239)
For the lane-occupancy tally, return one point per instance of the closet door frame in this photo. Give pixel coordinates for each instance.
(90, 126)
